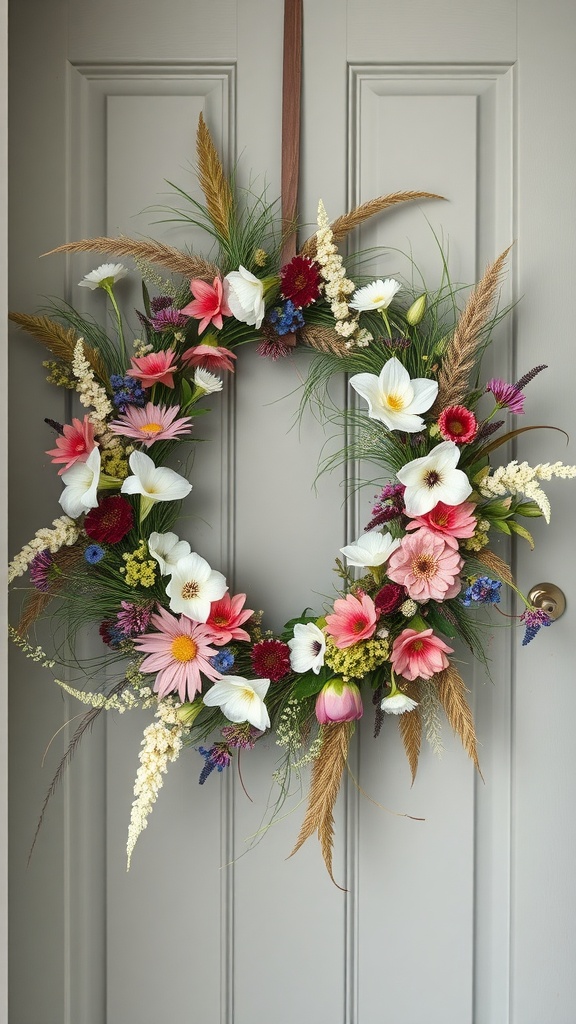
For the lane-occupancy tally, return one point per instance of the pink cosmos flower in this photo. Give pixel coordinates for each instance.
(419, 655)
(450, 520)
(208, 305)
(339, 702)
(354, 619)
(155, 368)
(76, 444)
(153, 423)
(427, 565)
(225, 618)
(211, 357)
(179, 652)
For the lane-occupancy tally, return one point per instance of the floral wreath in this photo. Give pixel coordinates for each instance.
(177, 641)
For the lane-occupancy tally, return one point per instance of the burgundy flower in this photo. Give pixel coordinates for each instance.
(40, 570)
(300, 281)
(389, 598)
(271, 659)
(110, 521)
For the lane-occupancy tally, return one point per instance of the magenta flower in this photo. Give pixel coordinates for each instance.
(210, 357)
(208, 305)
(419, 655)
(225, 618)
(76, 444)
(458, 424)
(507, 396)
(153, 423)
(179, 652)
(338, 702)
(427, 565)
(354, 619)
(155, 368)
(450, 520)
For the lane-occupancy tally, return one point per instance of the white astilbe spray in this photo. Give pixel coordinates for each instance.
(337, 286)
(161, 743)
(64, 534)
(520, 478)
(126, 700)
(34, 653)
(92, 395)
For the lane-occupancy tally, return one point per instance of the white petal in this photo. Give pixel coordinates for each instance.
(425, 393)
(394, 377)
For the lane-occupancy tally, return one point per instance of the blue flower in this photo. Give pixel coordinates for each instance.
(534, 619)
(127, 391)
(94, 554)
(483, 591)
(286, 318)
(223, 661)
(218, 756)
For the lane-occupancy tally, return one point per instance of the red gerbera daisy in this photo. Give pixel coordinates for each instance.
(271, 659)
(458, 424)
(300, 281)
(110, 521)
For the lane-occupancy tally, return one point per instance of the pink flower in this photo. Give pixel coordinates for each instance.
(153, 423)
(354, 619)
(76, 444)
(458, 424)
(427, 565)
(211, 357)
(449, 520)
(155, 368)
(208, 305)
(179, 652)
(419, 655)
(507, 395)
(338, 702)
(225, 618)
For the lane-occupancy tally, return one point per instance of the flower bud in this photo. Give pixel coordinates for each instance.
(416, 311)
(188, 713)
(338, 702)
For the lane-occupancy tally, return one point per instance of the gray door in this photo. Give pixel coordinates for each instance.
(467, 914)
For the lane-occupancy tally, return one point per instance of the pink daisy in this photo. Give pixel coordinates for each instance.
(354, 619)
(419, 655)
(458, 424)
(225, 618)
(208, 305)
(153, 423)
(210, 357)
(179, 652)
(449, 520)
(76, 444)
(155, 368)
(427, 565)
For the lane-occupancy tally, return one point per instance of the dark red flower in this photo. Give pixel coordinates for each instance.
(458, 424)
(389, 598)
(300, 281)
(271, 659)
(110, 521)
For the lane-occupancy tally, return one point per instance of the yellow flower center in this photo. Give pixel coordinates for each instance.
(183, 648)
(248, 694)
(151, 428)
(417, 645)
(395, 402)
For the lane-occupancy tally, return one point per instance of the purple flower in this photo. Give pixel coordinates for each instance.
(534, 619)
(160, 302)
(168, 319)
(217, 757)
(40, 570)
(507, 395)
(133, 620)
(243, 735)
(389, 505)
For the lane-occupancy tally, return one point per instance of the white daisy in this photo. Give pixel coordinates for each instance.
(104, 276)
(209, 382)
(377, 295)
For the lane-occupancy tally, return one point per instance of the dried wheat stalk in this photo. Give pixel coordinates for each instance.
(410, 725)
(213, 182)
(452, 694)
(496, 565)
(60, 341)
(149, 251)
(325, 783)
(323, 339)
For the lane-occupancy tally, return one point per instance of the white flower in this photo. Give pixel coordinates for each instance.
(244, 294)
(398, 703)
(209, 382)
(241, 700)
(395, 399)
(167, 549)
(154, 483)
(434, 478)
(373, 548)
(307, 648)
(105, 274)
(193, 586)
(81, 480)
(377, 295)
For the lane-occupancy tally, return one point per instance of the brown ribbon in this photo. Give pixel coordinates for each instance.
(291, 105)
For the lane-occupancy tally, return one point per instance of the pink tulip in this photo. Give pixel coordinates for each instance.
(338, 702)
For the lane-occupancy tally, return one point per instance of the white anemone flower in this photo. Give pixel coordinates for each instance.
(209, 382)
(434, 478)
(104, 276)
(307, 648)
(398, 703)
(167, 549)
(244, 294)
(377, 295)
(371, 549)
(193, 586)
(154, 483)
(81, 480)
(394, 398)
(241, 700)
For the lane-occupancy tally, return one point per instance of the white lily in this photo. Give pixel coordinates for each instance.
(104, 276)
(374, 296)
(307, 648)
(244, 294)
(434, 478)
(371, 549)
(394, 398)
(241, 700)
(81, 480)
(167, 549)
(193, 586)
(154, 483)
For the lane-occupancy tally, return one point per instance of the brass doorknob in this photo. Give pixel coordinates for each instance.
(549, 598)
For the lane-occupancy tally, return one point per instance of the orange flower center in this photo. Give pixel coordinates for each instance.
(395, 402)
(183, 648)
(219, 620)
(151, 428)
